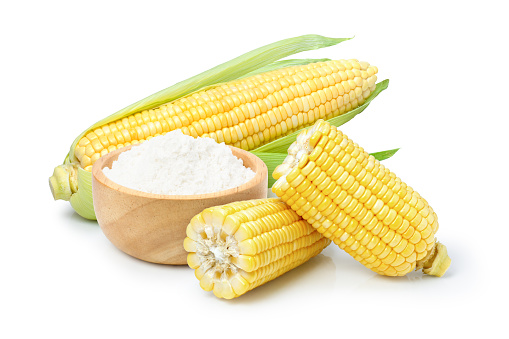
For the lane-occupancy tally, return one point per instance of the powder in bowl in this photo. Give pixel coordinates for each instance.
(178, 164)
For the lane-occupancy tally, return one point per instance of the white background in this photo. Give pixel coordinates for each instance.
(65, 65)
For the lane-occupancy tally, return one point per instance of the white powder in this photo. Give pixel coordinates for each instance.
(177, 164)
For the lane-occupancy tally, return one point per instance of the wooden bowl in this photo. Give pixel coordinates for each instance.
(152, 227)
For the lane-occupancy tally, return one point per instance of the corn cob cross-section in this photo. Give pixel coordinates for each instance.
(239, 246)
(350, 198)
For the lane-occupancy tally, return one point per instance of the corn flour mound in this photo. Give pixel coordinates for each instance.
(178, 164)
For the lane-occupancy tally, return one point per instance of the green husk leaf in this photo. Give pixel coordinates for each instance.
(82, 201)
(230, 70)
(272, 160)
(382, 155)
(281, 145)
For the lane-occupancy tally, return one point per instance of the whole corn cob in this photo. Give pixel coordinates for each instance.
(246, 113)
(350, 198)
(242, 245)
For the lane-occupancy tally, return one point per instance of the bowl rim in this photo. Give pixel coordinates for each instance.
(261, 172)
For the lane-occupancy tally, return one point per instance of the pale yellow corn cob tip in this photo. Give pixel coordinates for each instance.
(350, 198)
(239, 246)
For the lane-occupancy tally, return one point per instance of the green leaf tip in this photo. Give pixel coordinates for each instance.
(383, 155)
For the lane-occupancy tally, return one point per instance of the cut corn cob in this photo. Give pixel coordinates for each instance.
(350, 198)
(242, 245)
(246, 113)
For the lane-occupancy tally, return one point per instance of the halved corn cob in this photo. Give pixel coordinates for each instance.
(239, 246)
(350, 198)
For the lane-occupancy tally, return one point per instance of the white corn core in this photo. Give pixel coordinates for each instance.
(295, 152)
(219, 253)
(216, 251)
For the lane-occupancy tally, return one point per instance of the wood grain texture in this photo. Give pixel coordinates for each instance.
(152, 227)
